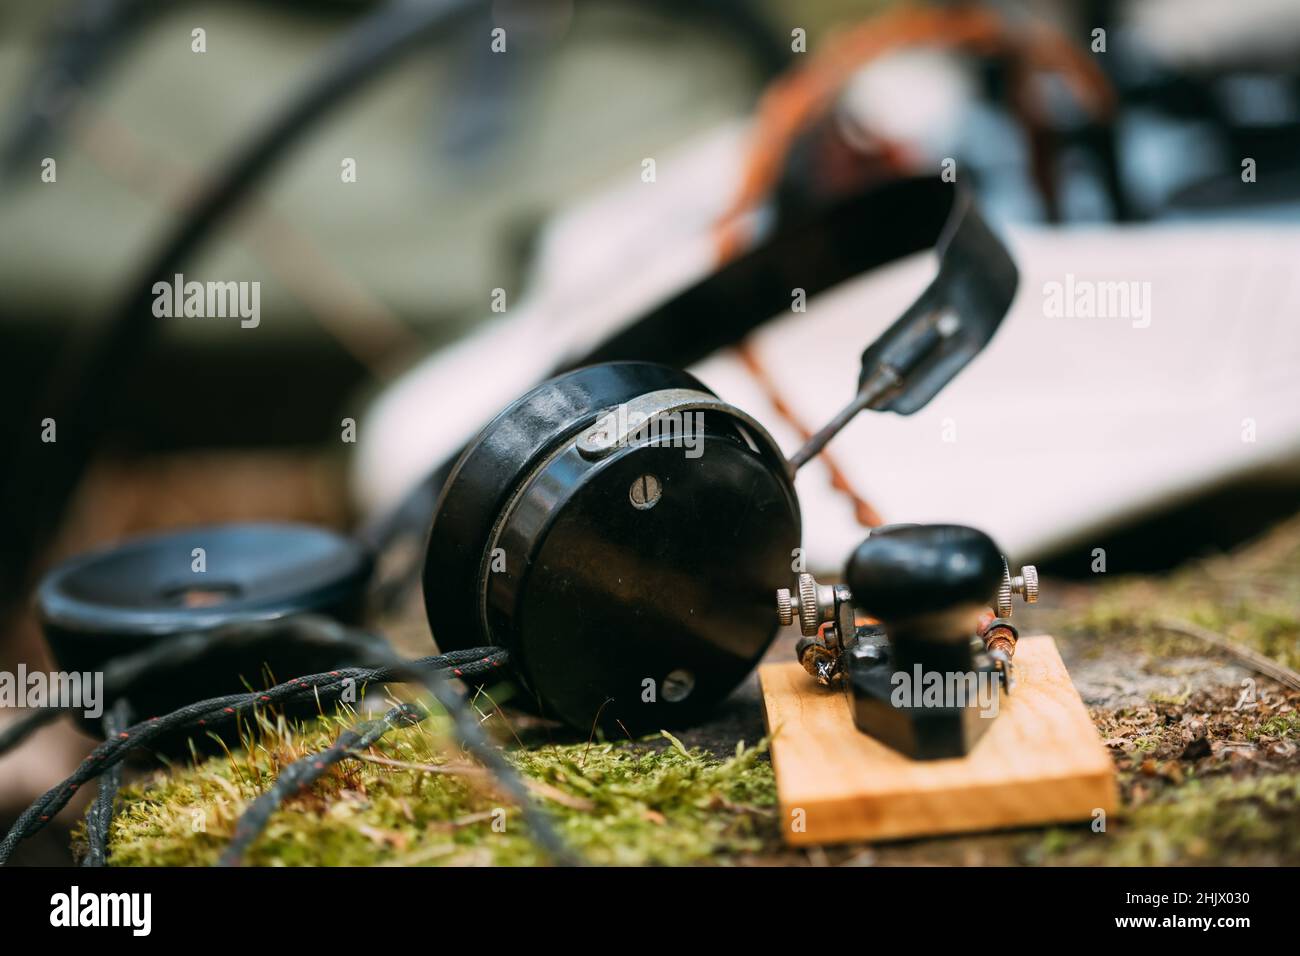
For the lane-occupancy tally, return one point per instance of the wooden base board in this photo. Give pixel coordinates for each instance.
(1040, 762)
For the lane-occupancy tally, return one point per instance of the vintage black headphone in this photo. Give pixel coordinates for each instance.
(618, 528)
(629, 583)
(631, 578)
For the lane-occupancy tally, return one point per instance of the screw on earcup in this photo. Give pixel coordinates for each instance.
(628, 573)
(493, 465)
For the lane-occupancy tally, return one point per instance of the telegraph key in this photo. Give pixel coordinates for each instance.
(927, 679)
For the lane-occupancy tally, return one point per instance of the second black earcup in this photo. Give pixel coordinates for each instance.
(144, 591)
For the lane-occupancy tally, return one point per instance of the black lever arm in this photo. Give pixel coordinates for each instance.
(940, 333)
(815, 248)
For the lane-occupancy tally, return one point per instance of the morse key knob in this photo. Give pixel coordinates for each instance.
(906, 571)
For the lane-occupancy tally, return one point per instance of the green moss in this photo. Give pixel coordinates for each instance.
(1251, 596)
(1282, 726)
(1221, 821)
(631, 803)
(1203, 778)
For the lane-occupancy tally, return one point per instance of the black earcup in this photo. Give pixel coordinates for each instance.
(491, 467)
(631, 582)
(147, 590)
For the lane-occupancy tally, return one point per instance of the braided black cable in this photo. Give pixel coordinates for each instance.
(468, 663)
(475, 740)
(304, 772)
(185, 650)
(99, 816)
(88, 378)
(470, 735)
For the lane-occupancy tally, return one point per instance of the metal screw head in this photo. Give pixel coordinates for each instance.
(645, 492)
(1026, 584)
(816, 604)
(598, 440)
(1002, 602)
(809, 620)
(784, 606)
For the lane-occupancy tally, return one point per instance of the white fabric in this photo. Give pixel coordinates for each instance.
(1063, 426)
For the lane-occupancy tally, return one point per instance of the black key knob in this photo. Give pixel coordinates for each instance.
(905, 571)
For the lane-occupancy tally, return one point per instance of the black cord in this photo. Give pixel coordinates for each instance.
(378, 43)
(474, 739)
(470, 734)
(87, 380)
(188, 650)
(470, 664)
(99, 816)
(89, 35)
(307, 770)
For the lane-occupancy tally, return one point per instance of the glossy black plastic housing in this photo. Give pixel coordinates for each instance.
(926, 584)
(618, 615)
(127, 598)
(906, 570)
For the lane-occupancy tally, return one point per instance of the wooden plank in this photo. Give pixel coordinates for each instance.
(1040, 762)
